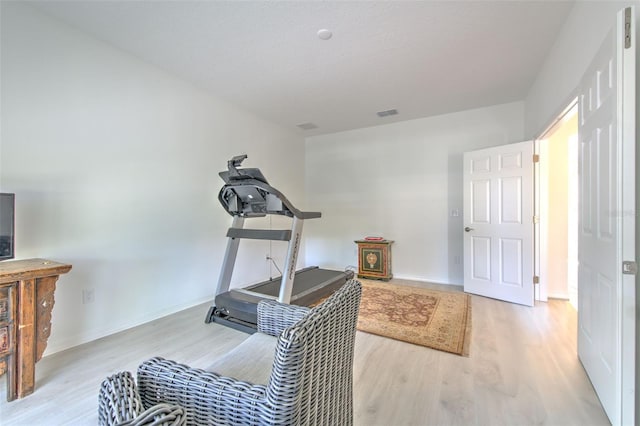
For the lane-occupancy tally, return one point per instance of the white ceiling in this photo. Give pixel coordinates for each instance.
(421, 58)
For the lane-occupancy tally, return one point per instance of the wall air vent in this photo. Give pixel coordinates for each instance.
(387, 112)
(307, 126)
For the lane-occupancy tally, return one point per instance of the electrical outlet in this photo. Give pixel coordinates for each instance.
(456, 260)
(88, 296)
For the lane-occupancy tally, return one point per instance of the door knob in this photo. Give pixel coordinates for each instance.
(467, 229)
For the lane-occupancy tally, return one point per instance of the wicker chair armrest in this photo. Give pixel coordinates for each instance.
(273, 317)
(118, 400)
(206, 397)
(159, 415)
(119, 404)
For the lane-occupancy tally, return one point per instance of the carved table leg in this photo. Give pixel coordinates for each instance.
(44, 305)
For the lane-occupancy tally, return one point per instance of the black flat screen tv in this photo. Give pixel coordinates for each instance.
(7, 225)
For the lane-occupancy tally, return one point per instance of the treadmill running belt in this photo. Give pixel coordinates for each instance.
(309, 286)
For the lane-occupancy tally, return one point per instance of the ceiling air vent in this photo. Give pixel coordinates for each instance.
(307, 126)
(387, 112)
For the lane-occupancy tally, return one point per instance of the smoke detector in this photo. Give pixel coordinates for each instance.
(324, 34)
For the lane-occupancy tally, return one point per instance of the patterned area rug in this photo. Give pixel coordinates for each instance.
(435, 319)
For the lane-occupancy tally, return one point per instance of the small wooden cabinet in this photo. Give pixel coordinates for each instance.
(26, 302)
(374, 259)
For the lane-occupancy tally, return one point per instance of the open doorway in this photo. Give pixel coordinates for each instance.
(558, 207)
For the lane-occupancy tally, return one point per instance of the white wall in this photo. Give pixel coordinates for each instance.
(557, 81)
(400, 181)
(114, 164)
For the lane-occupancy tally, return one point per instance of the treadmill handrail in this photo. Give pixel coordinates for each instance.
(260, 234)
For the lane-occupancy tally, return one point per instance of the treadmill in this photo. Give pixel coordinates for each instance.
(247, 194)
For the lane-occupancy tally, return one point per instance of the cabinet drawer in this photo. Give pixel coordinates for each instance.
(5, 339)
(6, 322)
(4, 305)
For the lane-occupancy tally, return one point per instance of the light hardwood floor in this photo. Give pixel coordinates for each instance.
(522, 370)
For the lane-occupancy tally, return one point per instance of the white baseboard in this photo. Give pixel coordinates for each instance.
(561, 296)
(422, 280)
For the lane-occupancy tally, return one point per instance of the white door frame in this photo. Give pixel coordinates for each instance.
(628, 70)
(541, 182)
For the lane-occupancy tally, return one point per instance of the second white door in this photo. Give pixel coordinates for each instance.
(498, 221)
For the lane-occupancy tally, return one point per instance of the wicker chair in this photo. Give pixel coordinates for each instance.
(301, 362)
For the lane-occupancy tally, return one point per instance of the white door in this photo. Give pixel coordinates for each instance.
(498, 220)
(606, 234)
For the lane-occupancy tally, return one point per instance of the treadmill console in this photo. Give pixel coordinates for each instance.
(247, 193)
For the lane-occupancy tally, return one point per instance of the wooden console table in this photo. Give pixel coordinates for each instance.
(26, 302)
